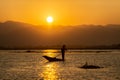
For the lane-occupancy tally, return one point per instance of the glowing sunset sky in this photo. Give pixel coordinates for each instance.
(64, 12)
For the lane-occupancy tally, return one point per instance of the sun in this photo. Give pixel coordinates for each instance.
(49, 19)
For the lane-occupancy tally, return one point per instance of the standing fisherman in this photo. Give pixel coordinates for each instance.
(63, 49)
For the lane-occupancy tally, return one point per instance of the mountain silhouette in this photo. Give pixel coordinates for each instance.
(18, 34)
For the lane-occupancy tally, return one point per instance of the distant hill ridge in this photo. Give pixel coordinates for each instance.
(18, 34)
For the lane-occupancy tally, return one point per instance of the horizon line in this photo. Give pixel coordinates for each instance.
(60, 24)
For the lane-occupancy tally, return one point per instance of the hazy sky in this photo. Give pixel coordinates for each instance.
(65, 12)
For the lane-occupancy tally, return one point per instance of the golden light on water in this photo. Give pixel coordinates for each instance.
(50, 72)
(50, 53)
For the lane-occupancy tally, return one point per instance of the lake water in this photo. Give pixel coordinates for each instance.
(22, 65)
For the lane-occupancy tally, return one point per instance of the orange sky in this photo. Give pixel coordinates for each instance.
(65, 12)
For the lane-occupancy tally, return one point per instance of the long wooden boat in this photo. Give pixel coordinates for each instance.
(51, 59)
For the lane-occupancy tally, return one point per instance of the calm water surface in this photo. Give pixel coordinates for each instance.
(22, 65)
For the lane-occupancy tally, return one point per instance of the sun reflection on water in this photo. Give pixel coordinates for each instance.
(50, 72)
(50, 69)
(50, 52)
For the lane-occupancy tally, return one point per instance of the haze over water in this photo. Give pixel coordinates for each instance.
(21, 65)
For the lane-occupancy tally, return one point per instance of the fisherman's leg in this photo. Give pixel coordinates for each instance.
(63, 57)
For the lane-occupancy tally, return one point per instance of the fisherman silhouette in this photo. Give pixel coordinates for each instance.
(63, 49)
